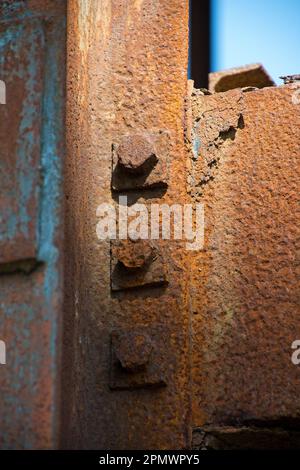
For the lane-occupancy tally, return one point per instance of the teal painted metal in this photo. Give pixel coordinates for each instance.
(31, 298)
(21, 62)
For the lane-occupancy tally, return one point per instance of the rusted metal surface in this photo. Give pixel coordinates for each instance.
(245, 282)
(127, 68)
(31, 131)
(245, 438)
(127, 357)
(250, 75)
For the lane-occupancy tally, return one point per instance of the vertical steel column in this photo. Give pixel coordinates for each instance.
(127, 75)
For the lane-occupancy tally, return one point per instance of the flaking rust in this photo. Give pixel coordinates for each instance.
(245, 283)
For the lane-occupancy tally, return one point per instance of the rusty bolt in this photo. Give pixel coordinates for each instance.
(132, 349)
(134, 152)
(134, 254)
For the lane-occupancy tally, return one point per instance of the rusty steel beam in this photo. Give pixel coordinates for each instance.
(127, 82)
(245, 169)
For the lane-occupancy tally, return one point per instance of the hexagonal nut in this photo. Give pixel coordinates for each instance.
(134, 254)
(132, 349)
(134, 152)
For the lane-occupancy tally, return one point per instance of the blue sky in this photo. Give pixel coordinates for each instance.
(248, 31)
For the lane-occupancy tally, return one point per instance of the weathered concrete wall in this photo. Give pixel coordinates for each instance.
(245, 283)
(127, 73)
(32, 64)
